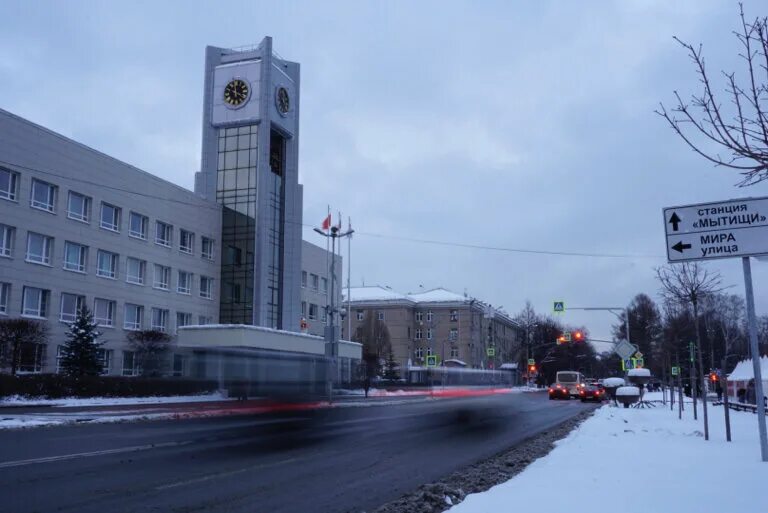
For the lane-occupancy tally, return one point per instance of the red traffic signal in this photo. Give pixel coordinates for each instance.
(713, 376)
(532, 368)
(578, 336)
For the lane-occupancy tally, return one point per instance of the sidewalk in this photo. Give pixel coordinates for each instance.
(640, 460)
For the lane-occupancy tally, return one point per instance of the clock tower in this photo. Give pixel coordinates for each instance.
(250, 166)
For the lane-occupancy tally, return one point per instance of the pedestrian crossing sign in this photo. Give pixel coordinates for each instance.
(559, 307)
(432, 360)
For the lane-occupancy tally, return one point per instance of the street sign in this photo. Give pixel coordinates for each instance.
(559, 307)
(567, 336)
(531, 361)
(727, 229)
(639, 363)
(638, 354)
(491, 351)
(432, 360)
(675, 371)
(624, 349)
(627, 363)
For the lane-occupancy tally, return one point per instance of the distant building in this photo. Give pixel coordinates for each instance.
(315, 286)
(459, 330)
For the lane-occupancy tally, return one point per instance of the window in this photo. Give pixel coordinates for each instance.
(160, 319)
(162, 277)
(134, 315)
(39, 248)
(419, 316)
(380, 316)
(360, 315)
(183, 319)
(419, 352)
(31, 358)
(78, 207)
(184, 285)
(34, 302)
(110, 217)
(163, 234)
(130, 364)
(70, 305)
(312, 312)
(207, 248)
(454, 352)
(204, 319)
(138, 225)
(135, 270)
(105, 355)
(323, 315)
(430, 316)
(186, 241)
(43, 195)
(9, 182)
(453, 334)
(7, 234)
(206, 286)
(429, 351)
(104, 312)
(315, 278)
(419, 333)
(178, 365)
(454, 315)
(304, 309)
(429, 334)
(324, 285)
(303, 279)
(5, 294)
(106, 264)
(75, 256)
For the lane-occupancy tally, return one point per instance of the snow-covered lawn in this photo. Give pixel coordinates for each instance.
(110, 401)
(639, 461)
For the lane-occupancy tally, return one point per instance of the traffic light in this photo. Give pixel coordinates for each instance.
(532, 368)
(713, 376)
(561, 340)
(578, 336)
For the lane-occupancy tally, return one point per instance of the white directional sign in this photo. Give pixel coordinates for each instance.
(624, 349)
(733, 228)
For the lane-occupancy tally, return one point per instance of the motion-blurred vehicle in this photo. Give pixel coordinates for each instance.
(558, 391)
(591, 393)
(572, 380)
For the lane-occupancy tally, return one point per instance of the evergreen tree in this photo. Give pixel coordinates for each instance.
(390, 366)
(80, 353)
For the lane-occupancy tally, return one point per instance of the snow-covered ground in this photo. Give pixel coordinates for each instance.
(641, 460)
(110, 401)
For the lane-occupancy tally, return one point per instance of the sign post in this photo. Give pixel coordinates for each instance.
(726, 229)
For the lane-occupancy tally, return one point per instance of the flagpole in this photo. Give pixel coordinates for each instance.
(349, 279)
(327, 264)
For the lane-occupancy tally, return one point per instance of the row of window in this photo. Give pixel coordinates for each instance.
(43, 196)
(35, 302)
(310, 311)
(317, 283)
(453, 334)
(40, 249)
(419, 316)
(419, 352)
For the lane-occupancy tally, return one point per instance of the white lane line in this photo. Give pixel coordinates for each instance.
(64, 457)
(223, 474)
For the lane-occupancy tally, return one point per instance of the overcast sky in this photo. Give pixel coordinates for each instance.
(506, 124)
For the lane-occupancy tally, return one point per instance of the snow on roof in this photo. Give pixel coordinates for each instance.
(375, 293)
(457, 361)
(639, 372)
(744, 370)
(627, 391)
(438, 295)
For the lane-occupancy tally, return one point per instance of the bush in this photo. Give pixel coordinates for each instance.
(56, 386)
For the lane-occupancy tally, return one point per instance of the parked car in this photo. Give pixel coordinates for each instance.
(558, 391)
(591, 393)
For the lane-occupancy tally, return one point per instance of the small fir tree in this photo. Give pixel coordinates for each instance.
(390, 366)
(80, 354)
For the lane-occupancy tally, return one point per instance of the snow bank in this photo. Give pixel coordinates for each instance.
(613, 382)
(110, 401)
(646, 373)
(671, 468)
(621, 391)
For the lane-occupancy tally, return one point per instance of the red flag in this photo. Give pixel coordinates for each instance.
(327, 223)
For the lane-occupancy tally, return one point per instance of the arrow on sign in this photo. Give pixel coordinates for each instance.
(674, 220)
(679, 247)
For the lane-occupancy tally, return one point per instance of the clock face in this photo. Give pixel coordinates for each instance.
(282, 100)
(236, 93)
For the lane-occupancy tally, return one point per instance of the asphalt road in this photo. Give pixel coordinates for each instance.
(344, 459)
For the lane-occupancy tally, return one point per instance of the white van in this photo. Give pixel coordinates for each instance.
(572, 380)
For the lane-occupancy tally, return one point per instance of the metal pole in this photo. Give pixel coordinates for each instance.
(702, 376)
(754, 349)
(724, 385)
(692, 378)
(349, 281)
(626, 322)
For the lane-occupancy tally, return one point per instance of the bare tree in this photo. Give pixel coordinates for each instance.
(152, 349)
(374, 335)
(741, 132)
(690, 282)
(17, 336)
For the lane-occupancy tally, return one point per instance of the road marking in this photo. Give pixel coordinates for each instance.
(218, 475)
(64, 457)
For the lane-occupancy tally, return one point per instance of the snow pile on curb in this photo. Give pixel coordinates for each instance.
(640, 460)
(110, 401)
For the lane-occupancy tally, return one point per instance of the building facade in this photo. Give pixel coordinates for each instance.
(458, 329)
(316, 285)
(78, 227)
(250, 166)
